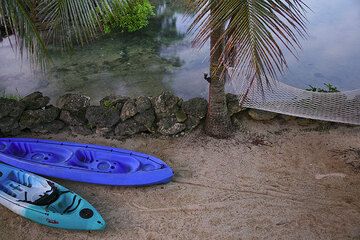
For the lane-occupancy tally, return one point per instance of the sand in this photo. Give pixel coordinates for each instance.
(272, 180)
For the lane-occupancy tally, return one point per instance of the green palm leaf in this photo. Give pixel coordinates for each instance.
(75, 21)
(15, 15)
(254, 36)
(38, 23)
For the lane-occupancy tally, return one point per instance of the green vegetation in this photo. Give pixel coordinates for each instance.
(132, 17)
(39, 24)
(16, 96)
(108, 104)
(329, 88)
(90, 126)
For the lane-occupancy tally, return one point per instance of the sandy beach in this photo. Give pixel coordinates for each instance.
(272, 180)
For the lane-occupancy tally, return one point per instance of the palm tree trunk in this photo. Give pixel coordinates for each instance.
(218, 122)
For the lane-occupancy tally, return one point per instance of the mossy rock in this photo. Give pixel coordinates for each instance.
(181, 116)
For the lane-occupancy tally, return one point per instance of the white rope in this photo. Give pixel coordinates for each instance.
(342, 107)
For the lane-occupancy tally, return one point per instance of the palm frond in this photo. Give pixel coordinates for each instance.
(38, 23)
(16, 17)
(255, 35)
(75, 21)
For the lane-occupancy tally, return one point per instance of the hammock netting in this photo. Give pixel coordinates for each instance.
(341, 107)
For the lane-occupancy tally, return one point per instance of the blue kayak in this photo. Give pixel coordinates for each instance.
(84, 162)
(46, 202)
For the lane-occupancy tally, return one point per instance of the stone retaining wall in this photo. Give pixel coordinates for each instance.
(115, 116)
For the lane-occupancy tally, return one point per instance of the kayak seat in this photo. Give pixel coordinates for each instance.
(16, 184)
(25, 188)
(37, 152)
(22, 178)
(111, 162)
(64, 203)
(7, 190)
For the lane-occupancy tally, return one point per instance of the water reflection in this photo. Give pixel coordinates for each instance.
(161, 58)
(128, 64)
(332, 52)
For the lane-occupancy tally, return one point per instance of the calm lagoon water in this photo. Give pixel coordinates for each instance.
(160, 58)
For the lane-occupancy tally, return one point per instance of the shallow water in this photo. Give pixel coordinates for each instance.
(161, 58)
(332, 52)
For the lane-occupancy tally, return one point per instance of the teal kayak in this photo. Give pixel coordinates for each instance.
(46, 202)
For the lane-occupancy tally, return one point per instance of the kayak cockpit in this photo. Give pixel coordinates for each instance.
(36, 152)
(24, 188)
(104, 161)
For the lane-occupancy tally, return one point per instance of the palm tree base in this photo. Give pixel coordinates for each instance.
(219, 126)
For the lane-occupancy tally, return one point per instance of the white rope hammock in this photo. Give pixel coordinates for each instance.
(342, 107)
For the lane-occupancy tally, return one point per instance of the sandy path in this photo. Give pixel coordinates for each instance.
(269, 182)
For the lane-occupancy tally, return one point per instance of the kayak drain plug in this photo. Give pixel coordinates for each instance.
(86, 213)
